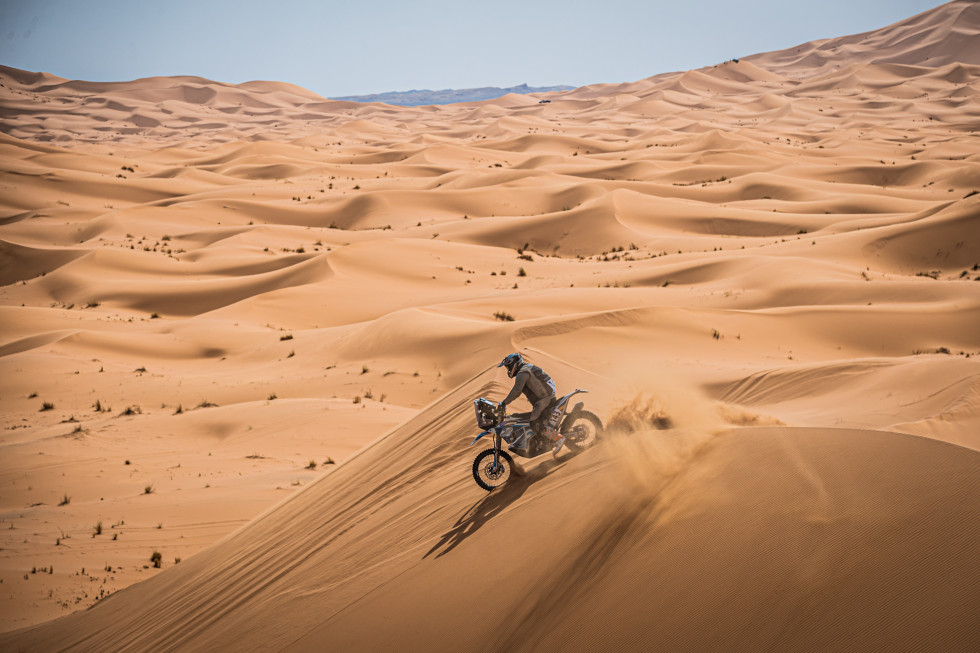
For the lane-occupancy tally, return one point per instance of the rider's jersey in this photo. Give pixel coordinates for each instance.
(534, 382)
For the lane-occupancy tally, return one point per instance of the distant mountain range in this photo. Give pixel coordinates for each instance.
(423, 97)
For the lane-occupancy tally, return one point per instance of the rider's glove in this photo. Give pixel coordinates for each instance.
(501, 406)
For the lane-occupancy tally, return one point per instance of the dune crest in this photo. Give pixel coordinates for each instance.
(241, 328)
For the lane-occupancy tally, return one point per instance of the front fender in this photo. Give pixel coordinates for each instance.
(487, 432)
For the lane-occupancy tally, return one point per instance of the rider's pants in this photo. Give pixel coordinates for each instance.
(538, 408)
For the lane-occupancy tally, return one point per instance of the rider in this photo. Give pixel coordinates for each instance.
(537, 386)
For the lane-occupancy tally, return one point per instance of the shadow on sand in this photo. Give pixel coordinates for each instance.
(494, 503)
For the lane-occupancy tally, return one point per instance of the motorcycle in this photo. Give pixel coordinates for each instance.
(492, 467)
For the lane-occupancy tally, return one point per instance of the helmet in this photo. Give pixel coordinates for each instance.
(513, 363)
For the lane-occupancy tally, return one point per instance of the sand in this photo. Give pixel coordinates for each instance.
(242, 326)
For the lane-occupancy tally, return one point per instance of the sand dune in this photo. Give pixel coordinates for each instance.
(242, 325)
(604, 549)
(933, 38)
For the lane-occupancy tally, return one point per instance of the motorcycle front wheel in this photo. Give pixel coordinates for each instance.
(583, 429)
(490, 476)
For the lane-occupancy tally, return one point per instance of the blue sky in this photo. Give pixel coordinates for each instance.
(340, 47)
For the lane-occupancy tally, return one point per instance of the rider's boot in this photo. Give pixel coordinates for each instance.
(540, 427)
(559, 443)
(557, 439)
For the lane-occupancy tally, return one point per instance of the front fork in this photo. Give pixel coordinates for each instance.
(501, 414)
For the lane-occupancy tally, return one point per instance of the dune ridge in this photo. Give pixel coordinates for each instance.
(242, 325)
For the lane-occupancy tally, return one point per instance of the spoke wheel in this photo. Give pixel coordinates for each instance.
(582, 430)
(488, 475)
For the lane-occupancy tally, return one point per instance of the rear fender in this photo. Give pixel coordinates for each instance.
(564, 400)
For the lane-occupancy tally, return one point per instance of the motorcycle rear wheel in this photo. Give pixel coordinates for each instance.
(486, 475)
(582, 430)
